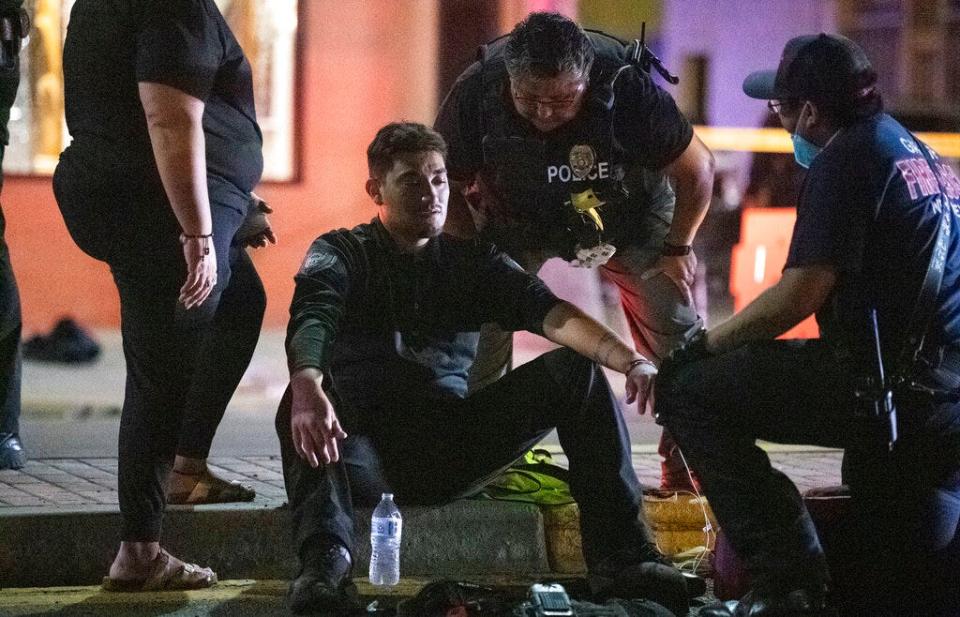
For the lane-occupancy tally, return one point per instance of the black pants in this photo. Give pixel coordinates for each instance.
(432, 453)
(903, 535)
(10, 326)
(10, 320)
(182, 366)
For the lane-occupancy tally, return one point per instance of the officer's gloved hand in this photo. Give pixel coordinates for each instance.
(693, 350)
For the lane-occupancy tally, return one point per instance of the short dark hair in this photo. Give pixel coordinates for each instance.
(401, 137)
(546, 45)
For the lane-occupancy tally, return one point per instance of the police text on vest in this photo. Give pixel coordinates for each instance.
(563, 173)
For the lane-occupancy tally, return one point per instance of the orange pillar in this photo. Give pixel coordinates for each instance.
(758, 259)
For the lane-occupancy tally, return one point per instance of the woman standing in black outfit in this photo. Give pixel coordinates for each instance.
(156, 182)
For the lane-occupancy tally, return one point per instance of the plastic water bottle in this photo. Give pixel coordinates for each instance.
(385, 529)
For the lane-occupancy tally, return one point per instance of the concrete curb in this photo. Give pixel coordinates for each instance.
(61, 547)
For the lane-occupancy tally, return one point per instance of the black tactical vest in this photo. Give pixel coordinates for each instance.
(541, 178)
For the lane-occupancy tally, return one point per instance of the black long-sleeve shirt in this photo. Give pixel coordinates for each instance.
(379, 322)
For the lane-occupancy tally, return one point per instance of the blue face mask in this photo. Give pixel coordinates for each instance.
(804, 151)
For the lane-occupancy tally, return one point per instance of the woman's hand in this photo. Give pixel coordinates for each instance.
(201, 258)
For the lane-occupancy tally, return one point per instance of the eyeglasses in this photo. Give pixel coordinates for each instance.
(533, 102)
(776, 106)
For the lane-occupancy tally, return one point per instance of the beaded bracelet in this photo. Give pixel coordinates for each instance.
(638, 362)
(205, 237)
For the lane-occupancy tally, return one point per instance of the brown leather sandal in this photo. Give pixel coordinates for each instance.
(165, 576)
(210, 489)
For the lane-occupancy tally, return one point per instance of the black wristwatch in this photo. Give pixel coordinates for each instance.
(675, 250)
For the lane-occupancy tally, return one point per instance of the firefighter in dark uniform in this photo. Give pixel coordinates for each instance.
(876, 255)
(13, 27)
(563, 146)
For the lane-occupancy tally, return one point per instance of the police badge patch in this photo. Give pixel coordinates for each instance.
(582, 159)
(318, 260)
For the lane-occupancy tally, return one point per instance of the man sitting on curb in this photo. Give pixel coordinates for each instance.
(383, 330)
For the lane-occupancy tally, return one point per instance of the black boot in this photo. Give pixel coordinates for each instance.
(640, 573)
(324, 585)
(797, 603)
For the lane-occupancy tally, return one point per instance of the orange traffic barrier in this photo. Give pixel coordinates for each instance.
(757, 261)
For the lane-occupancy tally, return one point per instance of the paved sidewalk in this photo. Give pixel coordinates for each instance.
(73, 482)
(69, 483)
(68, 509)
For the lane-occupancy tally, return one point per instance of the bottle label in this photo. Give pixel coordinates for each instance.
(387, 527)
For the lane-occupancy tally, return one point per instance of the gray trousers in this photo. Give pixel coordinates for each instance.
(657, 313)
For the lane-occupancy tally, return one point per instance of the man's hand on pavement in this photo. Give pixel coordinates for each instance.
(314, 426)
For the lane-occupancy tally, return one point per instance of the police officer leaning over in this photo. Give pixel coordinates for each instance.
(869, 221)
(563, 145)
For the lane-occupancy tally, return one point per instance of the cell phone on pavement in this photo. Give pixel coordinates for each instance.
(550, 600)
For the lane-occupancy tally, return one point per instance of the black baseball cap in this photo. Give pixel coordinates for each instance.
(816, 67)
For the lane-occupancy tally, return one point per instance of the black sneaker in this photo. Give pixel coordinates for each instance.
(12, 455)
(324, 585)
(797, 603)
(640, 573)
(67, 343)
